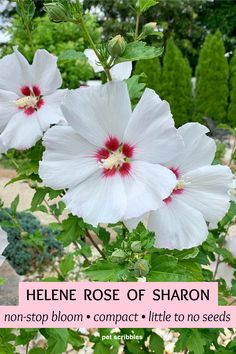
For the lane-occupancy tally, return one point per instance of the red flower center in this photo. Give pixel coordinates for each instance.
(179, 188)
(31, 100)
(115, 157)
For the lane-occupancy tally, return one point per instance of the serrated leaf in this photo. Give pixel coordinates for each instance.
(38, 198)
(37, 351)
(135, 87)
(57, 339)
(73, 228)
(105, 271)
(67, 264)
(192, 340)
(101, 348)
(144, 5)
(75, 339)
(15, 204)
(139, 50)
(156, 344)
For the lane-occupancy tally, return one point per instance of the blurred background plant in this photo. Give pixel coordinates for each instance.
(198, 36)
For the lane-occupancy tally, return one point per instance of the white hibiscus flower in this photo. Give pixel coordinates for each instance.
(121, 71)
(29, 98)
(3, 244)
(110, 158)
(200, 195)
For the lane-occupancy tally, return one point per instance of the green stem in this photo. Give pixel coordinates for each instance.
(136, 27)
(90, 40)
(27, 348)
(232, 152)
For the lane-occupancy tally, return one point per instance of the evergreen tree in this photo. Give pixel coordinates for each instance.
(152, 70)
(176, 85)
(232, 105)
(212, 80)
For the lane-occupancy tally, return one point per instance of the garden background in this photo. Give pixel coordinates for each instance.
(196, 74)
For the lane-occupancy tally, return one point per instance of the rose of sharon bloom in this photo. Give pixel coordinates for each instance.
(3, 244)
(29, 98)
(200, 194)
(121, 71)
(110, 157)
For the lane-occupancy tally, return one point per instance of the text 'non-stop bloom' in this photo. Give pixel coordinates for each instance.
(3, 244)
(109, 158)
(29, 98)
(201, 193)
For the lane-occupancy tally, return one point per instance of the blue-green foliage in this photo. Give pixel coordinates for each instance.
(33, 247)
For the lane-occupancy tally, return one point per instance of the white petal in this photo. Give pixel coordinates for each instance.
(7, 107)
(93, 60)
(22, 131)
(3, 147)
(3, 241)
(178, 226)
(50, 112)
(151, 130)
(46, 74)
(15, 72)
(131, 224)
(98, 112)
(121, 71)
(207, 191)
(199, 148)
(2, 259)
(151, 184)
(68, 159)
(98, 199)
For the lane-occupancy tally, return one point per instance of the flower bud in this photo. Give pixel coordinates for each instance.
(116, 46)
(136, 246)
(149, 28)
(118, 256)
(56, 12)
(141, 268)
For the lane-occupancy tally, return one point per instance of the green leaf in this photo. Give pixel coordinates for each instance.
(73, 228)
(29, 8)
(75, 339)
(157, 344)
(135, 87)
(105, 271)
(187, 254)
(7, 349)
(104, 236)
(101, 348)
(139, 50)
(38, 198)
(57, 339)
(144, 5)
(168, 268)
(37, 351)
(67, 264)
(71, 54)
(192, 340)
(25, 336)
(15, 204)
